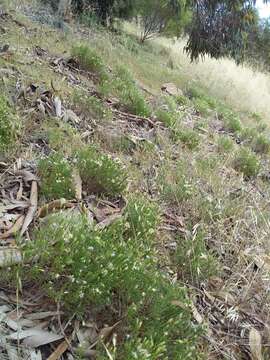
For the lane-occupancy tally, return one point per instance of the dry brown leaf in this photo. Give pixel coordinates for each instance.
(108, 221)
(77, 182)
(53, 206)
(197, 316)
(255, 343)
(20, 192)
(41, 315)
(10, 256)
(59, 351)
(32, 208)
(70, 115)
(35, 337)
(58, 106)
(14, 229)
(26, 175)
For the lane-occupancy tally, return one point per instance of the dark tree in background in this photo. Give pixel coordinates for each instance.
(217, 28)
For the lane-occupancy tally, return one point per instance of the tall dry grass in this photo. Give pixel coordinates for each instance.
(240, 86)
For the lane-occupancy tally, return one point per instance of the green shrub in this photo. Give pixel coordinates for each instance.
(7, 133)
(182, 100)
(167, 118)
(88, 59)
(142, 218)
(225, 144)
(193, 261)
(261, 144)
(247, 163)
(248, 134)
(232, 123)
(55, 175)
(62, 137)
(123, 86)
(91, 106)
(175, 184)
(188, 137)
(202, 106)
(261, 127)
(102, 268)
(100, 173)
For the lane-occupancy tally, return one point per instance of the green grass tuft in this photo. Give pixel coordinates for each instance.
(7, 131)
(225, 144)
(261, 144)
(55, 174)
(88, 59)
(193, 261)
(188, 137)
(123, 86)
(100, 173)
(247, 163)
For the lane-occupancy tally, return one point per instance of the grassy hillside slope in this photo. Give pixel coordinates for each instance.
(134, 197)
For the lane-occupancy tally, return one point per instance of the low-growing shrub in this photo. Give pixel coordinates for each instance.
(261, 144)
(7, 133)
(248, 134)
(232, 123)
(100, 173)
(88, 59)
(142, 218)
(55, 174)
(123, 86)
(193, 260)
(61, 136)
(175, 184)
(225, 144)
(91, 106)
(188, 137)
(247, 163)
(167, 118)
(102, 268)
(202, 107)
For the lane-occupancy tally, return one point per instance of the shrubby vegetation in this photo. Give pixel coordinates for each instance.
(7, 131)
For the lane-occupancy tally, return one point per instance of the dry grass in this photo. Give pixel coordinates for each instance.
(239, 86)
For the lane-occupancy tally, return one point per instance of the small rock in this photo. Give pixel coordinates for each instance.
(171, 89)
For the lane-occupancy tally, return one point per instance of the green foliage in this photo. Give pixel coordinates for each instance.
(261, 144)
(232, 122)
(168, 118)
(188, 137)
(202, 106)
(219, 28)
(88, 59)
(100, 173)
(102, 267)
(225, 144)
(193, 260)
(7, 132)
(61, 136)
(175, 185)
(168, 111)
(55, 174)
(142, 218)
(247, 163)
(91, 106)
(123, 86)
(248, 134)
